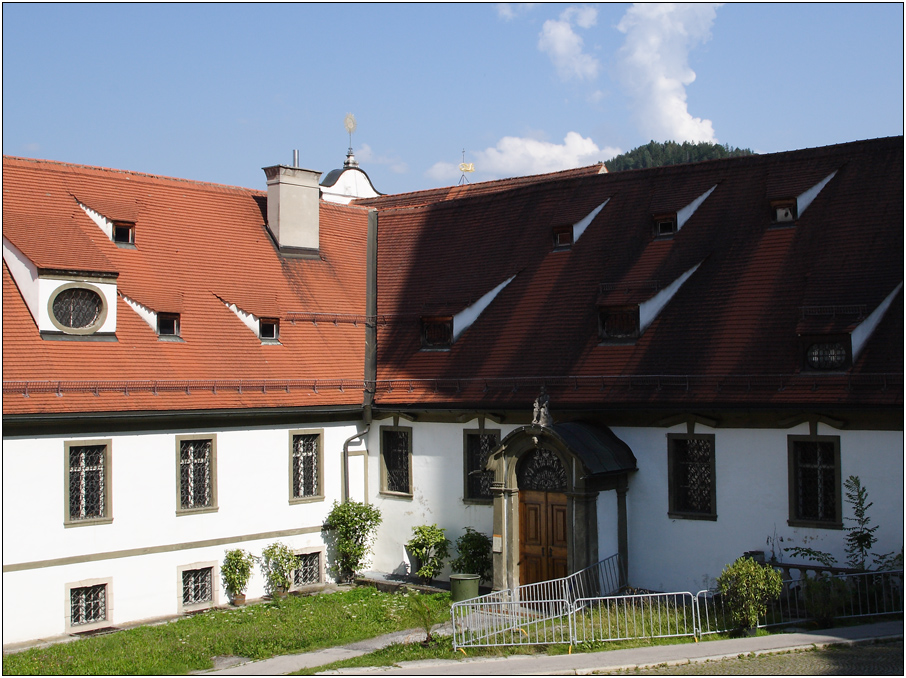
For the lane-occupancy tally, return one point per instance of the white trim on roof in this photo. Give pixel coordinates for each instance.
(103, 222)
(862, 333)
(649, 310)
(683, 215)
(580, 226)
(805, 199)
(464, 319)
(143, 311)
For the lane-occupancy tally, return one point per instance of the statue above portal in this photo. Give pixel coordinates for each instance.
(542, 415)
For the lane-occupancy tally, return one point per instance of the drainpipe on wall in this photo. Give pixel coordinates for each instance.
(345, 495)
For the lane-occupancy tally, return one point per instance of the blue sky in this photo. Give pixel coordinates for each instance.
(215, 92)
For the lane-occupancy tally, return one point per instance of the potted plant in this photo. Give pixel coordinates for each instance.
(747, 588)
(473, 564)
(277, 564)
(235, 572)
(429, 545)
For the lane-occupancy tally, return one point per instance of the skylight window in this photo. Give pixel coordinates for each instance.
(269, 329)
(665, 225)
(124, 232)
(563, 237)
(168, 324)
(783, 211)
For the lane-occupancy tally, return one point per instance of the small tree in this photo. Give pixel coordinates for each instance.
(860, 536)
(430, 545)
(354, 526)
(747, 587)
(277, 565)
(236, 571)
(474, 555)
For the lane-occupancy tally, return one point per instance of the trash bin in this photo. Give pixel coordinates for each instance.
(463, 586)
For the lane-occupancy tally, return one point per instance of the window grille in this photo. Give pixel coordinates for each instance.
(826, 356)
(541, 470)
(77, 307)
(308, 571)
(619, 323)
(693, 475)
(305, 465)
(437, 332)
(195, 473)
(196, 586)
(478, 448)
(87, 604)
(87, 492)
(816, 480)
(396, 461)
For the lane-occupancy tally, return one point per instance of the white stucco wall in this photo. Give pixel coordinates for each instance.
(252, 497)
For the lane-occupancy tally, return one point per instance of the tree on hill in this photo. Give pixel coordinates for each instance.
(655, 154)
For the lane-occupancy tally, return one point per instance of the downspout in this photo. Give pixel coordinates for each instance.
(370, 343)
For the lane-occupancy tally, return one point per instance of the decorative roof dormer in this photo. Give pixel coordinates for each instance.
(347, 184)
(789, 210)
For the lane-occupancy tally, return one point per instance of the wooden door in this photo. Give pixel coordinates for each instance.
(543, 536)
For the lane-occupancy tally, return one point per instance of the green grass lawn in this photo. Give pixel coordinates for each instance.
(296, 624)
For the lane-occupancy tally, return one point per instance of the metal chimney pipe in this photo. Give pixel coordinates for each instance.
(296, 158)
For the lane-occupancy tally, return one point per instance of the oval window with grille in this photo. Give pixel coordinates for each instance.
(827, 356)
(77, 309)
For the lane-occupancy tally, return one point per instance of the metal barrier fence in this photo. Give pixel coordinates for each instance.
(578, 609)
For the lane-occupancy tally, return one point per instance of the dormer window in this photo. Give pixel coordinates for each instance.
(827, 353)
(619, 324)
(437, 332)
(269, 329)
(124, 232)
(168, 324)
(783, 211)
(563, 237)
(664, 225)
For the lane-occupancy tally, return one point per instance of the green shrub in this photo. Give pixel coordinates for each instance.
(824, 597)
(474, 555)
(430, 546)
(277, 565)
(747, 588)
(353, 526)
(236, 571)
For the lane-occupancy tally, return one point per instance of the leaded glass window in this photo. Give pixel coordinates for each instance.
(396, 452)
(827, 356)
(197, 586)
(816, 480)
(87, 604)
(478, 449)
(195, 474)
(87, 482)
(692, 481)
(306, 462)
(77, 307)
(541, 470)
(308, 571)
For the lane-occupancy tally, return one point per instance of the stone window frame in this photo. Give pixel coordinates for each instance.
(792, 476)
(383, 462)
(319, 495)
(673, 479)
(107, 518)
(466, 498)
(214, 566)
(106, 622)
(213, 507)
(321, 560)
(78, 331)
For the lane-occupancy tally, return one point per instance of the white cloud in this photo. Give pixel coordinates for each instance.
(653, 65)
(510, 10)
(366, 154)
(564, 46)
(518, 156)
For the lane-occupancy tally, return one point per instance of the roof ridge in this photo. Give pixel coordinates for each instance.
(113, 170)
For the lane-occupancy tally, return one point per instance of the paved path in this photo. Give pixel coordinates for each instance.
(576, 664)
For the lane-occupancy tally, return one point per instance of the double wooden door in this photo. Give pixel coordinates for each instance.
(543, 536)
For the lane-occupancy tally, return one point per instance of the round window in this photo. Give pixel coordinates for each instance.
(826, 356)
(77, 309)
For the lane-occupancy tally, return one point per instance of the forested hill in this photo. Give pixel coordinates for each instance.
(655, 154)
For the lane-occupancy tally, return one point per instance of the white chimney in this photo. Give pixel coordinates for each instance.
(293, 199)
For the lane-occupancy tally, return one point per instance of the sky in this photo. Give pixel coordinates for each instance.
(215, 92)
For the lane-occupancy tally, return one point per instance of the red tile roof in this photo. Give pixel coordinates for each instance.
(198, 246)
(728, 336)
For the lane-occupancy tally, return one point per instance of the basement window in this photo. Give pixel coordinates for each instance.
(168, 324)
(618, 324)
(563, 237)
(437, 333)
(664, 225)
(783, 211)
(124, 232)
(269, 329)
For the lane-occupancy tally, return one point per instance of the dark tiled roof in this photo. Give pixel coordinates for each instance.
(729, 335)
(198, 248)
